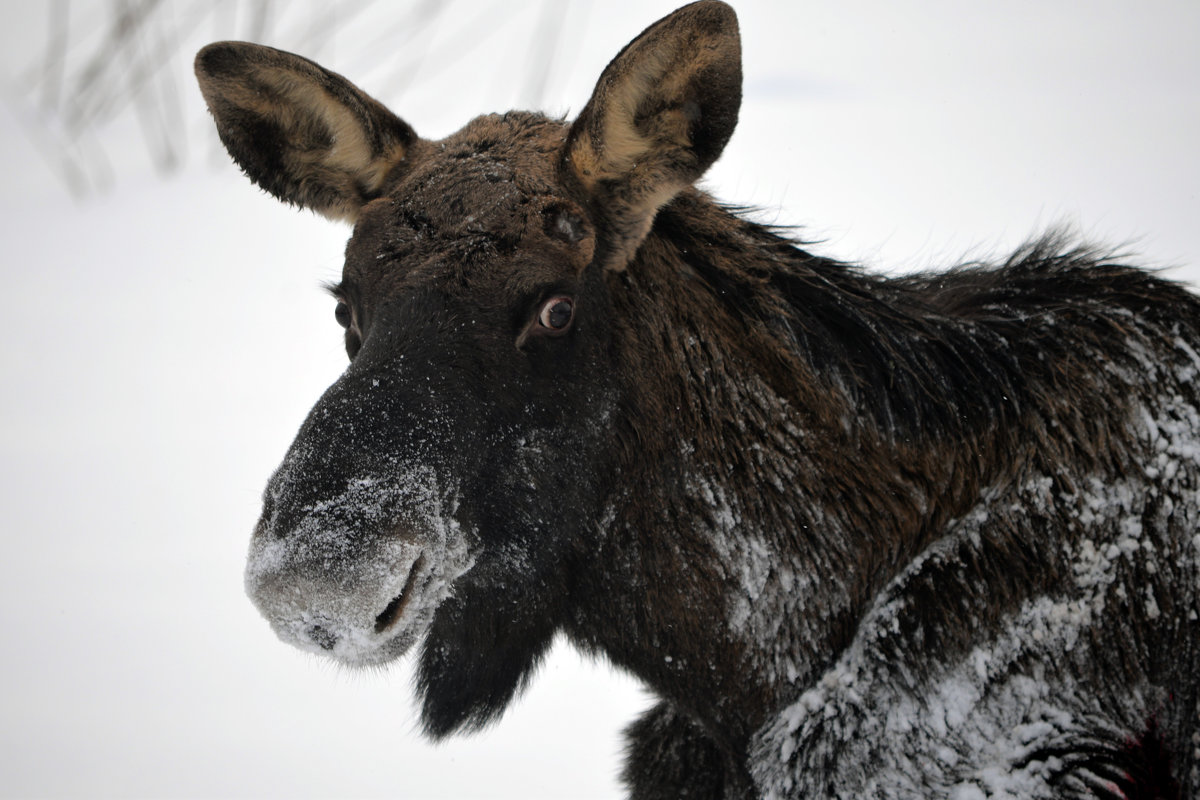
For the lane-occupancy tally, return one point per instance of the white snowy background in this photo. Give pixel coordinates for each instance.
(164, 335)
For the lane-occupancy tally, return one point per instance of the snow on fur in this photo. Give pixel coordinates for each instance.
(1000, 721)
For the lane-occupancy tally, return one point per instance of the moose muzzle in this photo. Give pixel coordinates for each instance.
(355, 548)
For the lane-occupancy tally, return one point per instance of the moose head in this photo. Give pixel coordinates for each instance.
(454, 482)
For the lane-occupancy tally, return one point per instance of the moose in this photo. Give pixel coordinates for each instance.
(919, 536)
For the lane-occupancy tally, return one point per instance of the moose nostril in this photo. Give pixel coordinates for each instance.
(322, 637)
(396, 607)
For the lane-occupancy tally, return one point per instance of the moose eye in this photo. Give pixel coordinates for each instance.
(342, 314)
(556, 314)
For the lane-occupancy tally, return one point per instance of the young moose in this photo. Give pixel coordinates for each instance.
(933, 536)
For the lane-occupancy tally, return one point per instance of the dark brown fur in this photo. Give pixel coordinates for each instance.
(796, 499)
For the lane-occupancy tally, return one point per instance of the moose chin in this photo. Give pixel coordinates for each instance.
(861, 536)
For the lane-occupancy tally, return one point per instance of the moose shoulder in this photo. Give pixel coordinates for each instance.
(931, 536)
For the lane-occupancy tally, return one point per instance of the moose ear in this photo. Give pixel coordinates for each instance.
(660, 115)
(303, 133)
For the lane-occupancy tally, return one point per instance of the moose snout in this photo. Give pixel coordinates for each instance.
(359, 610)
(355, 572)
(326, 637)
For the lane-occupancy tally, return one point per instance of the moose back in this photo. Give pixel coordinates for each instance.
(929, 536)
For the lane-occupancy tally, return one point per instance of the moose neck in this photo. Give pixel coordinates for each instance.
(774, 497)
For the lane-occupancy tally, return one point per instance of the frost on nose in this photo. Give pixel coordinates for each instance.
(359, 574)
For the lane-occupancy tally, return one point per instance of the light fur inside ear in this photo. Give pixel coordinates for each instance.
(624, 141)
(303, 133)
(351, 156)
(660, 115)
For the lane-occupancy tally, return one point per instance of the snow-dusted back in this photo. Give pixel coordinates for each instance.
(1005, 719)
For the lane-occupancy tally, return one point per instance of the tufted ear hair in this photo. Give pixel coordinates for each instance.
(303, 133)
(660, 115)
